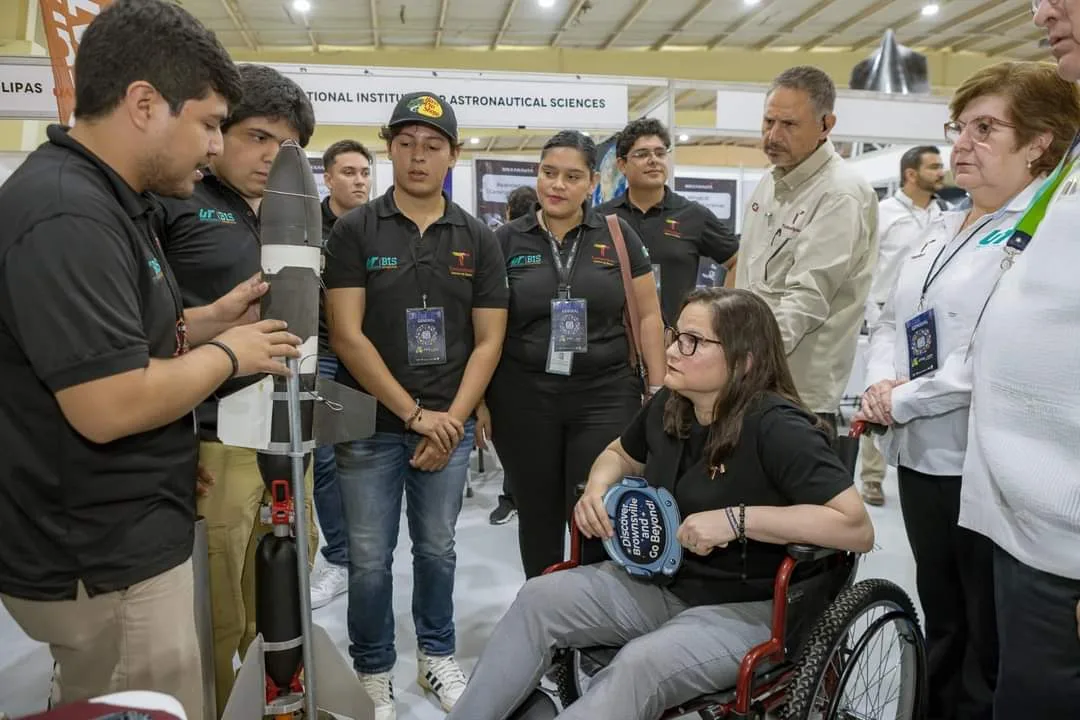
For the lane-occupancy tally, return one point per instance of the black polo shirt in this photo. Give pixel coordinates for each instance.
(458, 264)
(781, 459)
(211, 240)
(329, 219)
(85, 293)
(678, 233)
(595, 277)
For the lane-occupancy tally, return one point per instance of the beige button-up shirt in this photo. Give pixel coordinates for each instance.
(809, 246)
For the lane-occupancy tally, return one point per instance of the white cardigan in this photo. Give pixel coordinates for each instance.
(1021, 479)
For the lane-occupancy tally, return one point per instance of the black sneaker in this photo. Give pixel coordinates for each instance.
(504, 513)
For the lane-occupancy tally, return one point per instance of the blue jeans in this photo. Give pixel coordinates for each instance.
(328, 490)
(373, 475)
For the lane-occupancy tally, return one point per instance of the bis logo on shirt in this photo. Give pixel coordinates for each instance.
(376, 263)
(211, 215)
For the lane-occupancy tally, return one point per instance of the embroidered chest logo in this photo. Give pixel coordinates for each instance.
(526, 260)
(376, 263)
(155, 268)
(462, 266)
(210, 215)
(604, 254)
(997, 237)
(671, 228)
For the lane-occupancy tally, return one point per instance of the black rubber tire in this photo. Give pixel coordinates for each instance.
(566, 680)
(848, 606)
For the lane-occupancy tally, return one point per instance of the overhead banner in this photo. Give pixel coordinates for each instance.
(495, 180)
(612, 182)
(721, 197)
(26, 89)
(356, 97)
(65, 22)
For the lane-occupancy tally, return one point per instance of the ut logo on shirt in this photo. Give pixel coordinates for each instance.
(995, 238)
(462, 265)
(526, 260)
(216, 216)
(155, 268)
(604, 254)
(671, 228)
(376, 263)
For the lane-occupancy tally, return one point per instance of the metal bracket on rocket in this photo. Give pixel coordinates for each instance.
(284, 419)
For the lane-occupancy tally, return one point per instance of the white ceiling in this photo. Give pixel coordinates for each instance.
(993, 27)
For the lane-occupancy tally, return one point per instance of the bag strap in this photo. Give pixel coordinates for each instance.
(627, 280)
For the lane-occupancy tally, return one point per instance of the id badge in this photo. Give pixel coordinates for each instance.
(922, 344)
(426, 335)
(569, 326)
(559, 363)
(656, 276)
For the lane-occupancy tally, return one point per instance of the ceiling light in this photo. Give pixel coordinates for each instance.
(750, 3)
(930, 10)
(301, 6)
(546, 3)
(684, 138)
(586, 134)
(474, 141)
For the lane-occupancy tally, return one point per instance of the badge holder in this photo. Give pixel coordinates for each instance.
(645, 520)
(922, 344)
(569, 332)
(425, 330)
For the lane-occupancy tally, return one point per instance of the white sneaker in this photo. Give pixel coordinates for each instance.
(380, 688)
(442, 676)
(331, 581)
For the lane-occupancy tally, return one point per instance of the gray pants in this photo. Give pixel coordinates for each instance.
(671, 653)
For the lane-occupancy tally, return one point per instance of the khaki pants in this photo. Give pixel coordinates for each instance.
(231, 510)
(141, 638)
(873, 463)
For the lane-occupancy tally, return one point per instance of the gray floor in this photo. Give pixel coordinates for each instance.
(489, 575)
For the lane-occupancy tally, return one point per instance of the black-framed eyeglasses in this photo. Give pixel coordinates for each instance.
(687, 342)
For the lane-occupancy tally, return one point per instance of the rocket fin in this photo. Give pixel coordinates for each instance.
(248, 697)
(349, 414)
(244, 416)
(337, 689)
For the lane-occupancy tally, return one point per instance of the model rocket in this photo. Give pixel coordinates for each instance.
(285, 419)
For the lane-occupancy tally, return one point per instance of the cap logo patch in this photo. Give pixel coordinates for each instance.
(427, 106)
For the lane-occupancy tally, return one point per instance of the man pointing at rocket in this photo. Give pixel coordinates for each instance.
(212, 241)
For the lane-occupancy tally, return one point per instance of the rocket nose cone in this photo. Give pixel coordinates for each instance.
(290, 212)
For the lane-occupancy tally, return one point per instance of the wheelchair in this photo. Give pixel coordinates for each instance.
(825, 626)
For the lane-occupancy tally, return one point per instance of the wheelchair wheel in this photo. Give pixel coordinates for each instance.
(865, 659)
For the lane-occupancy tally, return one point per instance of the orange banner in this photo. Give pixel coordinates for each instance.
(65, 23)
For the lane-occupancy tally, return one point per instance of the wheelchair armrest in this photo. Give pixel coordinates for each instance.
(808, 553)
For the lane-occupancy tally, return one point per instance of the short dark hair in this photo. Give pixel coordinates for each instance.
(340, 148)
(637, 129)
(912, 159)
(520, 202)
(576, 140)
(154, 41)
(812, 81)
(269, 94)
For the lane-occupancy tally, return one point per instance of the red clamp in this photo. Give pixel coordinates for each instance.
(281, 503)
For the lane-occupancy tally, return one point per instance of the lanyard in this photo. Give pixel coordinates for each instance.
(914, 215)
(1036, 211)
(936, 271)
(423, 280)
(170, 281)
(564, 270)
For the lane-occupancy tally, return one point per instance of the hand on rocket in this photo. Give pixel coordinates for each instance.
(241, 305)
(259, 347)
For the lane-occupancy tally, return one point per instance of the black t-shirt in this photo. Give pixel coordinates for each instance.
(456, 263)
(328, 221)
(85, 294)
(678, 233)
(211, 241)
(595, 277)
(781, 459)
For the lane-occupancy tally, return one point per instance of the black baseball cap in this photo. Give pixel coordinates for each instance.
(426, 108)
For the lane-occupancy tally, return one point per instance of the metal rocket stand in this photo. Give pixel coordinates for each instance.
(296, 454)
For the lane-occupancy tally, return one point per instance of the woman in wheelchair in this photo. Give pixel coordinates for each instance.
(751, 471)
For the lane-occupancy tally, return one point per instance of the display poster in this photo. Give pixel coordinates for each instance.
(721, 197)
(495, 180)
(318, 171)
(612, 183)
(26, 89)
(65, 21)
